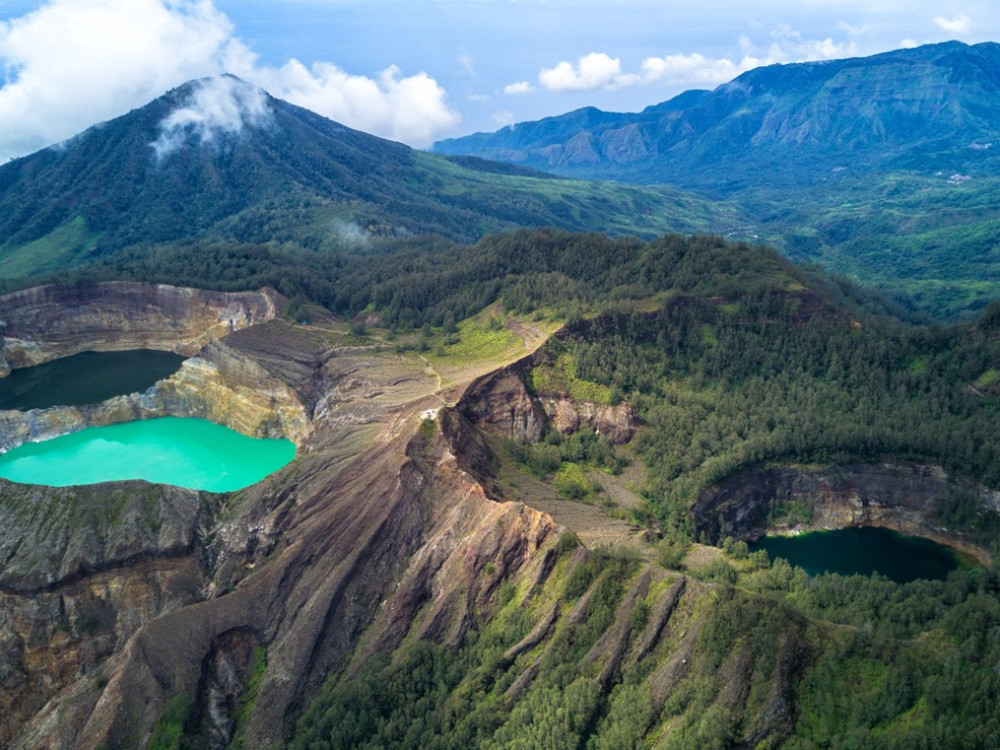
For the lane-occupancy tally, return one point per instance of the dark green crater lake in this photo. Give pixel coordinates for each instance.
(865, 550)
(191, 453)
(87, 378)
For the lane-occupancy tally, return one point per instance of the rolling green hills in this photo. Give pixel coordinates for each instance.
(883, 168)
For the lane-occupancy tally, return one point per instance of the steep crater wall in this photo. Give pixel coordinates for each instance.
(49, 322)
(905, 497)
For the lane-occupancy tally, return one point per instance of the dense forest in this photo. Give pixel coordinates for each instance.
(867, 664)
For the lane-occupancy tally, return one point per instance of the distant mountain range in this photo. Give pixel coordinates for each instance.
(219, 159)
(928, 108)
(883, 167)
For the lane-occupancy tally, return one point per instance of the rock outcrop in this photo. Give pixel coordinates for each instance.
(617, 423)
(81, 570)
(501, 405)
(116, 598)
(223, 385)
(49, 322)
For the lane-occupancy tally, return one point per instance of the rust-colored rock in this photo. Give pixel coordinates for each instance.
(617, 423)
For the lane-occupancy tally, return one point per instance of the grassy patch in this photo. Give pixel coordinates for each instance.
(482, 337)
(257, 669)
(50, 252)
(709, 336)
(917, 365)
(169, 729)
(572, 481)
(988, 378)
(560, 379)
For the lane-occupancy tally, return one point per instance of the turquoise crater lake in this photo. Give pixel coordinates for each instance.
(184, 452)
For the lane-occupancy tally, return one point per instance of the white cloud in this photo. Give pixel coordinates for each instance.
(521, 87)
(217, 106)
(854, 31)
(693, 70)
(594, 71)
(599, 70)
(960, 24)
(72, 63)
(466, 61)
(411, 109)
(75, 62)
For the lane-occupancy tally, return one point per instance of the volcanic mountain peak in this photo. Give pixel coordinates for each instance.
(212, 107)
(220, 160)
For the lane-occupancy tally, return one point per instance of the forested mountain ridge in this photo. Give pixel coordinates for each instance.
(528, 465)
(884, 168)
(928, 108)
(220, 160)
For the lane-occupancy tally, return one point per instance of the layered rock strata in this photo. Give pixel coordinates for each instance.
(220, 385)
(375, 532)
(49, 322)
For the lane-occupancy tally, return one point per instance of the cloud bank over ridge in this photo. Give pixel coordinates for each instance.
(599, 70)
(72, 63)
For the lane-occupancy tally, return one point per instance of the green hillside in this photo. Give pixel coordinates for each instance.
(734, 361)
(883, 168)
(285, 176)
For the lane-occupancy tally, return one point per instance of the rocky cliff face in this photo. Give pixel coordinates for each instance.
(49, 322)
(340, 554)
(224, 384)
(618, 422)
(500, 404)
(81, 569)
(898, 496)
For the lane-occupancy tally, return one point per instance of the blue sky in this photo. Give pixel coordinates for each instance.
(421, 70)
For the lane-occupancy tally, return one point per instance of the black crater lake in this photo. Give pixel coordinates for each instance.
(191, 453)
(87, 378)
(865, 550)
